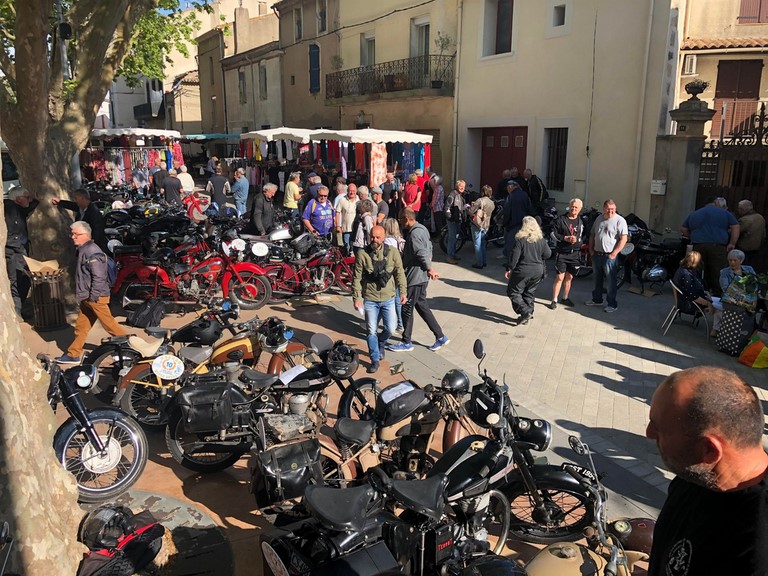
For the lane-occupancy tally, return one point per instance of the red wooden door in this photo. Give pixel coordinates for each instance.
(502, 149)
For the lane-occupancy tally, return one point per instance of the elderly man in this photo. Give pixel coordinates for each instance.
(87, 212)
(172, 188)
(345, 215)
(263, 212)
(157, 178)
(382, 208)
(568, 230)
(606, 240)
(378, 272)
(454, 214)
(713, 232)
(319, 216)
(218, 188)
(17, 207)
(708, 427)
(751, 231)
(187, 182)
(91, 291)
(240, 191)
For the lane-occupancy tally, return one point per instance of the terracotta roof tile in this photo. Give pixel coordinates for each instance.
(723, 43)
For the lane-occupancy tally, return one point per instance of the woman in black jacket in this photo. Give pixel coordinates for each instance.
(526, 269)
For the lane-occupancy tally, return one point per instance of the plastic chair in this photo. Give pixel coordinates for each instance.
(676, 312)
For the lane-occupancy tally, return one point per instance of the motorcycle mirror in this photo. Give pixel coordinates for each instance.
(320, 343)
(492, 419)
(577, 445)
(478, 350)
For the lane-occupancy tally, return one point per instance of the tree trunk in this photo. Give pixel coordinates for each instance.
(38, 498)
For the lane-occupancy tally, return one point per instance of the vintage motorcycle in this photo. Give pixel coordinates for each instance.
(650, 262)
(613, 548)
(547, 504)
(103, 448)
(393, 526)
(217, 418)
(495, 234)
(146, 388)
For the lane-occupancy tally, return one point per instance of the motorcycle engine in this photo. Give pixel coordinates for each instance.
(188, 287)
(282, 427)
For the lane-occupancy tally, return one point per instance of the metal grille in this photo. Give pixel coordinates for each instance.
(396, 75)
(557, 148)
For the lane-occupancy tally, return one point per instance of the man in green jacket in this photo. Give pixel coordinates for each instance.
(378, 270)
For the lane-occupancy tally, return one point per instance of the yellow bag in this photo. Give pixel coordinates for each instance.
(755, 354)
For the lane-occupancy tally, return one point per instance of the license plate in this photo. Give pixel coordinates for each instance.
(581, 471)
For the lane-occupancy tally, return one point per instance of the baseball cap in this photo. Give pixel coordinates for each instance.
(376, 190)
(512, 182)
(311, 175)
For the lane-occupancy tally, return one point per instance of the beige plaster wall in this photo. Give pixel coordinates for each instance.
(256, 112)
(547, 81)
(709, 19)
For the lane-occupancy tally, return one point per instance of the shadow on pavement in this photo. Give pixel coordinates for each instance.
(470, 310)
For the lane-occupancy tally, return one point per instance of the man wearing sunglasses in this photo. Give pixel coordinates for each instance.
(319, 215)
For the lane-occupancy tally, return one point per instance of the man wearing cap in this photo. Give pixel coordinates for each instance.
(240, 191)
(516, 207)
(381, 205)
(314, 184)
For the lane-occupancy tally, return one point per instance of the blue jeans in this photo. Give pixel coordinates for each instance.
(373, 312)
(453, 231)
(604, 267)
(240, 205)
(347, 236)
(478, 238)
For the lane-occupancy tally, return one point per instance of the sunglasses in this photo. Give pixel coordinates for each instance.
(75, 234)
(322, 195)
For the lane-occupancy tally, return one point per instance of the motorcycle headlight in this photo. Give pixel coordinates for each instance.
(535, 432)
(87, 378)
(655, 274)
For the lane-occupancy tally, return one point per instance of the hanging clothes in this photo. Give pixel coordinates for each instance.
(378, 164)
(409, 160)
(360, 157)
(427, 156)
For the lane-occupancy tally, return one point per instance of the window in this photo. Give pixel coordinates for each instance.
(210, 64)
(367, 49)
(314, 68)
(262, 82)
(262, 8)
(497, 27)
(241, 87)
(737, 91)
(558, 15)
(753, 12)
(297, 24)
(322, 16)
(556, 152)
(689, 64)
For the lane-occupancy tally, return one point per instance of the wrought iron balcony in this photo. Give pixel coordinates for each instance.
(420, 72)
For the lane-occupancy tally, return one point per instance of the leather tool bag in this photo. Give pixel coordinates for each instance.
(283, 472)
(206, 407)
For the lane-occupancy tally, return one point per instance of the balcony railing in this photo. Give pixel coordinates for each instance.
(734, 117)
(394, 76)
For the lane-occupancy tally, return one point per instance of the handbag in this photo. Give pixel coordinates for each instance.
(742, 291)
(755, 353)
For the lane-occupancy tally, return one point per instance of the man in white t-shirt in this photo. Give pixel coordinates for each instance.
(606, 241)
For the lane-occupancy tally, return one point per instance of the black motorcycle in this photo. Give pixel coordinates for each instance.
(103, 448)
(495, 234)
(651, 262)
(392, 527)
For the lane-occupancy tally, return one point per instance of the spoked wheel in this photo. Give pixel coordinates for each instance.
(132, 294)
(109, 363)
(585, 265)
(359, 402)
(495, 236)
(444, 240)
(343, 274)
(275, 275)
(563, 517)
(495, 521)
(103, 475)
(143, 398)
(253, 292)
(195, 451)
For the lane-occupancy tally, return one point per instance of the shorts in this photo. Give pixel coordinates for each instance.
(567, 263)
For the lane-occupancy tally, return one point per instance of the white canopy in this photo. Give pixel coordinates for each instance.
(370, 136)
(142, 132)
(295, 134)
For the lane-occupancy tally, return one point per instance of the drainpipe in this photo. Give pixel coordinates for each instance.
(641, 111)
(223, 84)
(253, 89)
(460, 12)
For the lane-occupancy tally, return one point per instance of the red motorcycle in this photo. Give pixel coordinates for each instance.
(321, 267)
(175, 277)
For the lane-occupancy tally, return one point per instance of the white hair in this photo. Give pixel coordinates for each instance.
(84, 226)
(183, 168)
(17, 191)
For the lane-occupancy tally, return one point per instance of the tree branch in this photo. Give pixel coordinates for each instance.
(8, 67)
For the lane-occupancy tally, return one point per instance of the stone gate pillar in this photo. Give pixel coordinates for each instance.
(683, 161)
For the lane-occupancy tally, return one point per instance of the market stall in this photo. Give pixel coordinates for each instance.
(112, 153)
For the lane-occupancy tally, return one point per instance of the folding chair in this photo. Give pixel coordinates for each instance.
(676, 312)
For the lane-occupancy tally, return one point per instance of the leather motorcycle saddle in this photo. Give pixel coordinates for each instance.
(423, 496)
(356, 432)
(340, 510)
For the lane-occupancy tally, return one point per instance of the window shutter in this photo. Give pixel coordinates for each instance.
(314, 68)
(749, 12)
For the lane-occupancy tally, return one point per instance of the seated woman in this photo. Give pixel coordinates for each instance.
(734, 270)
(688, 280)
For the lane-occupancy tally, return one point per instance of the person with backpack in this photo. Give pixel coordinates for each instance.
(454, 212)
(319, 215)
(363, 224)
(378, 275)
(395, 239)
(91, 291)
(480, 211)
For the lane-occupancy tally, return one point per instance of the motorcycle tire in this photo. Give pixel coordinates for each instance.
(350, 406)
(497, 520)
(574, 508)
(444, 241)
(109, 360)
(621, 275)
(176, 437)
(495, 236)
(144, 403)
(103, 477)
(135, 292)
(251, 294)
(343, 274)
(276, 284)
